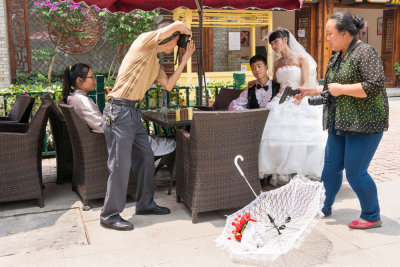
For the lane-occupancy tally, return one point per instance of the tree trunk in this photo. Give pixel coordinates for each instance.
(52, 60)
(112, 62)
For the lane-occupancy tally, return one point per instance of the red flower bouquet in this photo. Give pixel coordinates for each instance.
(240, 224)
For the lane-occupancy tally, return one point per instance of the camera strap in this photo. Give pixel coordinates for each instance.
(341, 60)
(169, 38)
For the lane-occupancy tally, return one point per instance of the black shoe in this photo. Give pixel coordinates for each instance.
(327, 213)
(119, 224)
(156, 210)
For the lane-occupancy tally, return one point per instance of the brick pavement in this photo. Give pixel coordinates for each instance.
(385, 164)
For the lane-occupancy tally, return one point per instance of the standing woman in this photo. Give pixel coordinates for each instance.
(355, 116)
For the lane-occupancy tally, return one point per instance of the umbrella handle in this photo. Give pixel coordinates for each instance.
(237, 165)
(241, 172)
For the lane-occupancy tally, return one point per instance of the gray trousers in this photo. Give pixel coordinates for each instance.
(128, 147)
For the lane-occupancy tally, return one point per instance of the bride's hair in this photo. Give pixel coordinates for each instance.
(280, 33)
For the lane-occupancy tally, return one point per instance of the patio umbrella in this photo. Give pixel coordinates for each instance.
(129, 5)
(284, 216)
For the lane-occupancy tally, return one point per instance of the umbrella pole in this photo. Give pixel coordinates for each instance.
(241, 172)
(199, 4)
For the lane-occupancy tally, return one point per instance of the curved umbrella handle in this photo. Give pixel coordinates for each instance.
(237, 165)
(241, 172)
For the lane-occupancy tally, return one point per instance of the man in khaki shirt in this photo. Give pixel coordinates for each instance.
(127, 140)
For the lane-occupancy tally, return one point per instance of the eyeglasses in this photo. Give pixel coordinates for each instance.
(90, 77)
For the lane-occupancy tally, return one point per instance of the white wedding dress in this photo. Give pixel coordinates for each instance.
(293, 140)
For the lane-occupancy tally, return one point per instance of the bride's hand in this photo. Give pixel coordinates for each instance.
(303, 93)
(297, 101)
(284, 84)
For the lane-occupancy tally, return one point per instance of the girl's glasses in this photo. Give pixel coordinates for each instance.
(90, 77)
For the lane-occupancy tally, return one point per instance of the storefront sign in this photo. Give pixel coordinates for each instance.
(375, 2)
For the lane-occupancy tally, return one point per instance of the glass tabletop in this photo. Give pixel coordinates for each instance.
(164, 120)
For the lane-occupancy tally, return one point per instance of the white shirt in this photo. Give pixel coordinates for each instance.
(87, 110)
(263, 97)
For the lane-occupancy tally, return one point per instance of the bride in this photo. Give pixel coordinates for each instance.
(293, 140)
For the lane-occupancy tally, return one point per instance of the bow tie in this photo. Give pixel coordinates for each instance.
(258, 86)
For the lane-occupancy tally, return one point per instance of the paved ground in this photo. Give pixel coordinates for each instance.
(62, 234)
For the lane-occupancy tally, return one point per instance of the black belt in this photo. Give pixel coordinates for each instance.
(124, 102)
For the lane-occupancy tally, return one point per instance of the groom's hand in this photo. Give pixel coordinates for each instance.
(251, 83)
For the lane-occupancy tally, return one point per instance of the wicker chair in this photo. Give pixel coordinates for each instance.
(223, 99)
(90, 173)
(21, 110)
(206, 177)
(62, 142)
(21, 160)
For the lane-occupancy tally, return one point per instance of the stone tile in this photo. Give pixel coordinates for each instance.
(363, 239)
(360, 258)
(34, 232)
(387, 255)
(56, 197)
(338, 244)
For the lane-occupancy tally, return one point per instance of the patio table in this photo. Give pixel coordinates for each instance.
(163, 120)
(166, 123)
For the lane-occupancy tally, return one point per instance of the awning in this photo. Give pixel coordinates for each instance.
(129, 5)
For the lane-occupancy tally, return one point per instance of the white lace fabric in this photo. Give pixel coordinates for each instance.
(301, 200)
(293, 139)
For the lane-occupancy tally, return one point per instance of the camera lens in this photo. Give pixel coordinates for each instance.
(316, 100)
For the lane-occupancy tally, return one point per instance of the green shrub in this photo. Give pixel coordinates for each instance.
(397, 69)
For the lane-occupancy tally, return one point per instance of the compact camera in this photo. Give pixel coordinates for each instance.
(183, 40)
(324, 98)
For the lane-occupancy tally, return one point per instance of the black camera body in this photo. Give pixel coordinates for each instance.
(324, 98)
(183, 40)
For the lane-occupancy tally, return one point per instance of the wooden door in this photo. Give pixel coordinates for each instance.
(303, 27)
(306, 28)
(387, 47)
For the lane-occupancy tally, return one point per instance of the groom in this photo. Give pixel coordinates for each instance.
(258, 95)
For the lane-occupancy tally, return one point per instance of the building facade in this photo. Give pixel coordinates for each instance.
(5, 73)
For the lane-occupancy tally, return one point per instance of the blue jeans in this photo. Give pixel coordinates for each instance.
(353, 153)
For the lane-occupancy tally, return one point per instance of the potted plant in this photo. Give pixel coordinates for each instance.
(397, 69)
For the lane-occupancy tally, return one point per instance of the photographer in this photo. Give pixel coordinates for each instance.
(355, 115)
(127, 140)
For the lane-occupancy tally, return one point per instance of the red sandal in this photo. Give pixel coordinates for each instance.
(357, 224)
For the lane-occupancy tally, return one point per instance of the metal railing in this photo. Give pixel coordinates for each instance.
(37, 95)
(152, 100)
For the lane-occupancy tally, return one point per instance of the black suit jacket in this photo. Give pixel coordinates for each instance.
(251, 95)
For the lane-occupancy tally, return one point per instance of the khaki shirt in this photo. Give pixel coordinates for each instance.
(139, 69)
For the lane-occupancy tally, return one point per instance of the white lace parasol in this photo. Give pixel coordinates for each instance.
(287, 214)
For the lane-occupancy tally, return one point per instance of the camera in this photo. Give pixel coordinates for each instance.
(324, 98)
(183, 40)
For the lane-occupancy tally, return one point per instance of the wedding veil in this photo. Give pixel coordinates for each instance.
(297, 48)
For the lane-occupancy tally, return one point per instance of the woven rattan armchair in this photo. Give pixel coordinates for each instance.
(21, 160)
(90, 172)
(62, 142)
(206, 177)
(21, 110)
(224, 98)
